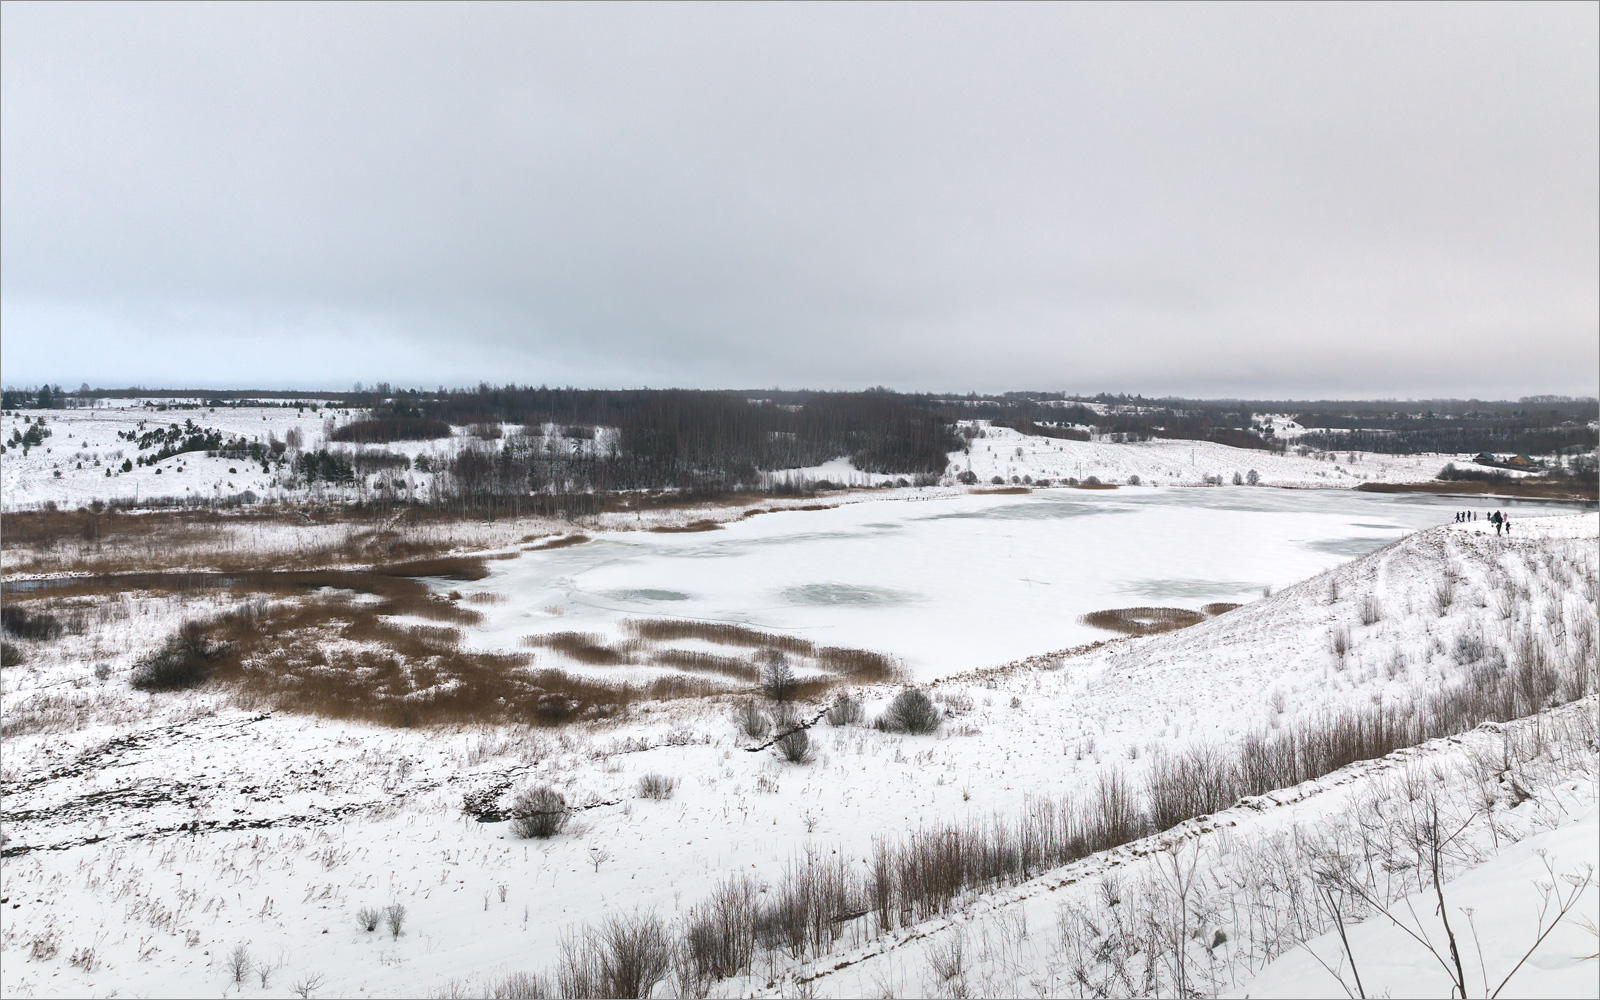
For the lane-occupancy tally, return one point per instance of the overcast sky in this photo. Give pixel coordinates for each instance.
(1261, 200)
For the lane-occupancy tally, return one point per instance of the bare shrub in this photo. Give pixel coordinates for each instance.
(39, 626)
(845, 711)
(539, 812)
(777, 677)
(1339, 640)
(238, 963)
(1469, 648)
(1444, 595)
(635, 955)
(307, 985)
(1371, 611)
(657, 786)
(912, 711)
(368, 918)
(795, 746)
(720, 936)
(394, 918)
(181, 663)
(751, 720)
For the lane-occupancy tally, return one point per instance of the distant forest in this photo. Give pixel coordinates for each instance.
(712, 442)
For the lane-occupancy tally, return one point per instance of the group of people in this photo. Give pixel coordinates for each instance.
(1501, 522)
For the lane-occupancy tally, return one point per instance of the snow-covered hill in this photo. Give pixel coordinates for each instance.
(149, 836)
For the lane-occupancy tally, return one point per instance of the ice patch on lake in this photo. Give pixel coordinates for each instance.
(845, 593)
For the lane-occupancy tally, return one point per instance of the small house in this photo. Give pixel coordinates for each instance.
(1484, 458)
(1521, 462)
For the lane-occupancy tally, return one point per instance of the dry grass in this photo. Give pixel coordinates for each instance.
(1219, 608)
(1143, 621)
(563, 542)
(862, 665)
(674, 529)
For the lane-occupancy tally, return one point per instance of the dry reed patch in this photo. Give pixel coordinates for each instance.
(486, 597)
(1004, 491)
(862, 665)
(447, 567)
(1219, 608)
(678, 529)
(1142, 621)
(563, 542)
(327, 655)
(585, 647)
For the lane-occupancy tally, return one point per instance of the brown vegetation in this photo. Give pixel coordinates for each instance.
(673, 529)
(1143, 621)
(1532, 489)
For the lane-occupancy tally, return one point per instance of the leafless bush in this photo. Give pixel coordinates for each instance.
(307, 985)
(238, 963)
(777, 677)
(1469, 648)
(845, 711)
(795, 746)
(1190, 784)
(912, 711)
(1371, 611)
(1444, 595)
(720, 936)
(635, 955)
(368, 918)
(657, 786)
(751, 720)
(1339, 639)
(394, 917)
(539, 812)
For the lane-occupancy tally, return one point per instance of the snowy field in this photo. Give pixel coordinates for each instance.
(151, 837)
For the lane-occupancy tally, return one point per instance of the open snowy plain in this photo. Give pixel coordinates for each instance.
(206, 841)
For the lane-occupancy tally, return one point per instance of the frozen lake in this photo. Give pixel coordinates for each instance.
(953, 583)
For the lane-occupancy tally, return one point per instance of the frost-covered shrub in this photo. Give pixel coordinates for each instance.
(795, 746)
(1469, 648)
(238, 963)
(1238, 480)
(394, 917)
(1371, 610)
(1132, 481)
(1253, 477)
(368, 918)
(998, 481)
(1092, 481)
(845, 711)
(910, 712)
(751, 720)
(1339, 639)
(657, 786)
(538, 812)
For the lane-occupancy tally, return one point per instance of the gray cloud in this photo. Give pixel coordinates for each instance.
(1306, 200)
